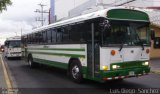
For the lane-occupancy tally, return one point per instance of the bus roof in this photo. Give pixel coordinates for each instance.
(100, 13)
(13, 38)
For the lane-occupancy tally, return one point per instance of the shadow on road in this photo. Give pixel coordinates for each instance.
(62, 74)
(46, 80)
(14, 58)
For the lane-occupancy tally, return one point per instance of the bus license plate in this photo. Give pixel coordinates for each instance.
(131, 73)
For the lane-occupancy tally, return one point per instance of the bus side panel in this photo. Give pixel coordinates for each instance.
(58, 55)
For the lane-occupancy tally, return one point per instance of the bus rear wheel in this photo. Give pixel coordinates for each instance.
(30, 62)
(76, 72)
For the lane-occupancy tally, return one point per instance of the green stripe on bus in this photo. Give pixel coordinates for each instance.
(59, 54)
(60, 49)
(51, 63)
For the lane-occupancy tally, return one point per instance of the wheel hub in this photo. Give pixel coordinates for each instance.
(75, 72)
(30, 62)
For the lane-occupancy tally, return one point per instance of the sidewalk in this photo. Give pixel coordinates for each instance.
(2, 78)
(155, 65)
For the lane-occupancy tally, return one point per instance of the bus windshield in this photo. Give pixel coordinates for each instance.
(14, 44)
(126, 33)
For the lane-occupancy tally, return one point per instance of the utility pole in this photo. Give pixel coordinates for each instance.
(42, 11)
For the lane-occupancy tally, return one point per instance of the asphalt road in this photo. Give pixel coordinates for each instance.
(47, 80)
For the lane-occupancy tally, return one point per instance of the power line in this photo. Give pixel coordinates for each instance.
(42, 11)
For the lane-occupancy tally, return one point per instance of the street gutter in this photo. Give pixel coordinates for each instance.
(10, 83)
(155, 71)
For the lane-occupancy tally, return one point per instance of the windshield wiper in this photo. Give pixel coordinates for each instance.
(121, 47)
(141, 43)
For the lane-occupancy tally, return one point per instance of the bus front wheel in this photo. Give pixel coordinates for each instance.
(76, 72)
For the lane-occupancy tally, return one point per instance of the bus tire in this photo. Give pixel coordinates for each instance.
(119, 80)
(30, 62)
(75, 71)
(8, 58)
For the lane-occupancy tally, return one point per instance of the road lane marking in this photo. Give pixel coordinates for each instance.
(6, 76)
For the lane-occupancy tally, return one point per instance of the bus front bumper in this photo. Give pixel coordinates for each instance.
(14, 55)
(124, 73)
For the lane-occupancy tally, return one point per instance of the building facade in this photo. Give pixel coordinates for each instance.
(69, 8)
(155, 43)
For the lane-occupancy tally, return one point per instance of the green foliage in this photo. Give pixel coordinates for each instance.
(4, 4)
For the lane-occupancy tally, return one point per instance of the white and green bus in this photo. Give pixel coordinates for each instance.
(108, 44)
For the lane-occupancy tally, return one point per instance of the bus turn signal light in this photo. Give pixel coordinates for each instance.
(105, 67)
(113, 52)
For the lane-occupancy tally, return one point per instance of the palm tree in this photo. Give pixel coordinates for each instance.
(3, 4)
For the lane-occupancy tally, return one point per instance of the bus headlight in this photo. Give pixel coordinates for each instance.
(115, 66)
(145, 63)
(105, 67)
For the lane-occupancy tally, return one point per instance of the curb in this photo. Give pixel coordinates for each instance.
(11, 77)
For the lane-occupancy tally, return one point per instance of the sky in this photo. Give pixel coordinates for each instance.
(20, 16)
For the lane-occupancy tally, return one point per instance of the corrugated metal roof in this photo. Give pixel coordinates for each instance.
(154, 17)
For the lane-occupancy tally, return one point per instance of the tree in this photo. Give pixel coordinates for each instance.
(4, 4)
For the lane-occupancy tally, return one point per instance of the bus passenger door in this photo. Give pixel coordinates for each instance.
(93, 61)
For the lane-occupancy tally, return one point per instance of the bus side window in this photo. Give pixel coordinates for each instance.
(33, 38)
(81, 32)
(53, 35)
(29, 39)
(44, 37)
(87, 29)
(66, 34)
(97, 32)
(37, 38)
(78, 33)
(49, 36)
(73, 34)
(59, 35)
(40, 37)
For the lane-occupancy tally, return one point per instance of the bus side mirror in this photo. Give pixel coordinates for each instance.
(5, 43)
(152, 34)
(105, 24)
